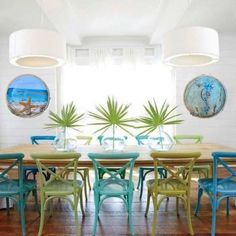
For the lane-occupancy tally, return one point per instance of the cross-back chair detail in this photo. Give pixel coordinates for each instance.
(16, 189)
(176, 184)
(145, 170)
(57, 186)
(35, 139)
(113, 185)
(218, 188)
(85, 138)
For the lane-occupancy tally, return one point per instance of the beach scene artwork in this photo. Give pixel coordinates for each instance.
(27, 96)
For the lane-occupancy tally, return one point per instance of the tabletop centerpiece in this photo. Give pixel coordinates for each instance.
(110, 118)
(68, 118)
(155, 119)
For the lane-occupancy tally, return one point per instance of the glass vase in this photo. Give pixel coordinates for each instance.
(64, 143)
(161, 141)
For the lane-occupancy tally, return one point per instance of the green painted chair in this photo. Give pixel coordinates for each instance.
(16, 189)
(58, 186)
(202, 170)
(83, 171)
(177, 184)
(143, 171)
(113, 186)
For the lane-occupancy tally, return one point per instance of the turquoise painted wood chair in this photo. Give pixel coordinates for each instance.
(145, 170)
(218, 188)
(58, 186)
(114, 169)
(113, 186)
(202, 170)
(16, 189)
(32, 170)
(177, 184)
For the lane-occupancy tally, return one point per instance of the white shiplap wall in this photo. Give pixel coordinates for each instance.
(13, 129)
(222, 127)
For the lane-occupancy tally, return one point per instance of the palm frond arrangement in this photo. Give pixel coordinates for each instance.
(68, 118)
(112, 115)
(157, 117)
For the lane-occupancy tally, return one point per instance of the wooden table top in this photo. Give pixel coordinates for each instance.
(144, 159)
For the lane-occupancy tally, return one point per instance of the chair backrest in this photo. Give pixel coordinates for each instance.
(35, 139)
(15, 160)
(181, 175)
(100, 137)
(142, 139)
(43, 164)
(181, 139)
(85, 139)
(221, 158)
(99, 158)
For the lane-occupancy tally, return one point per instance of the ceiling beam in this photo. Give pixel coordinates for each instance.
(170, 13)
(61, 14)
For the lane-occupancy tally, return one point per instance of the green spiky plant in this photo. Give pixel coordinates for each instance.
(67, 118)
(157, 117)
(111, 116)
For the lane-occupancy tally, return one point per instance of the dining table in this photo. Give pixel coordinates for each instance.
(144, 158)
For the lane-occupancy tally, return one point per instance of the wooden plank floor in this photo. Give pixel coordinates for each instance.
(113, 219)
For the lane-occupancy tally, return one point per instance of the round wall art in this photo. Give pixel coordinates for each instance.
(27, 96)
(204, 96)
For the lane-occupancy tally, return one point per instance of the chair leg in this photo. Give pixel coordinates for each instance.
(81, 203)
(155, 211)
(200, 191)
(189, 217)
(148, 203)
(213, 224)
(97, 202)
(84, 178)
(227, 206)
(36, 200)
(88, 179)
(41, 216)
(22, 213)
(131, 226)
(177, 206)
(76, 214)
(8, 206)
(141, 184)
(139, 179)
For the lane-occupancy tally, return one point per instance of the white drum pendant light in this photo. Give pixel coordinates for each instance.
(37, 48)
(191, 46)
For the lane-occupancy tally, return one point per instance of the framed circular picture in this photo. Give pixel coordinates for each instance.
(27, 96)
(204, 96)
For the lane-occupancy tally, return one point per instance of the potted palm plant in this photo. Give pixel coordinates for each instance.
(112, 116)
(156, 117)
(67, 118)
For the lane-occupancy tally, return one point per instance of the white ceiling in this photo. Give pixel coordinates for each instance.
(81, 20)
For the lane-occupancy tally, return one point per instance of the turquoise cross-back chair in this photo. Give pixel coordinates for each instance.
(113, 186)
(114, 169)
(32, 170)
(218, 188)
(16, 189)
(58, 186)
(145, 170)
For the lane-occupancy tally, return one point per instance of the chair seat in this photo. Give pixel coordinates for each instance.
(63, 188)
(11, 187)
(225, 187)
(172, 187)
(109, 187)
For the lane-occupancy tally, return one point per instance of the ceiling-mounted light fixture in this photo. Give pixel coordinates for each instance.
(37, 48)
(191, 46)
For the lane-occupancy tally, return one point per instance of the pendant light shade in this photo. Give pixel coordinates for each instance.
(191, 46)
(37, 48)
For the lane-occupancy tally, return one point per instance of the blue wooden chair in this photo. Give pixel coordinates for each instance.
(145, 170)
(16, 189)
(114, 169)
(32, 170)
(113, 186)
(217, 188)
